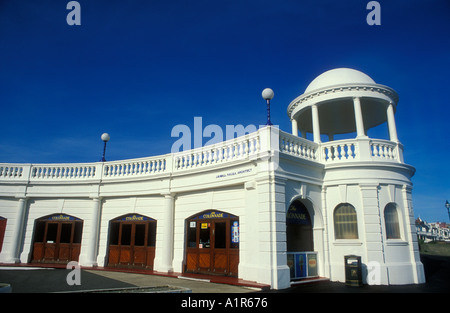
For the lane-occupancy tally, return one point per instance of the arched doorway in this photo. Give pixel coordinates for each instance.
(301, 258)
(132, 239)
(57, 239)
(299, 232)
(212, 243)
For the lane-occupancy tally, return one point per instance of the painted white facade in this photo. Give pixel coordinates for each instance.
(255, 177)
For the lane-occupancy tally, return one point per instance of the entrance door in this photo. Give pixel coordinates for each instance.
(57, 239)
(132, 241)
(301, 258)
(213, 244)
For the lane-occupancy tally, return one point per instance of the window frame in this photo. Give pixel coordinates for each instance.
(392, 224)
(352, 225)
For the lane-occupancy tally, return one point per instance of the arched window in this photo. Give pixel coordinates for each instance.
(391, 221)
(345, 222)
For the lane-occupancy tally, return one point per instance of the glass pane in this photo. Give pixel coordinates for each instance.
(39, 232)
(391, 220)
(139, 238)
(52, 230)
(192, 234)
(220, 241)
(114, 234)
(78, 232)
(151, 240)
(66, 233)
(204, 235)
(126, 235)
(345, 223)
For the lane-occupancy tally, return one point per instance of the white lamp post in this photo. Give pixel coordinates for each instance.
(267, 95)
(105, 139)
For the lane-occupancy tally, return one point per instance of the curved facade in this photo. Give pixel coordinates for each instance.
(268, 207)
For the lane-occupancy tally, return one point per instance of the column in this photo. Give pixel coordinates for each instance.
(168, 230)
(315, 122)
(14, 254)
(294, 127)
(358, 118)
(94, 232)
(391, 123)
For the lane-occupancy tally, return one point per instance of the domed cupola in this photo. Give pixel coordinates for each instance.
(342, 101)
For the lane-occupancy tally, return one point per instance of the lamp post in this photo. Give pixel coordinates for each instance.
(267, 95)
(447, 205)
(105, 138)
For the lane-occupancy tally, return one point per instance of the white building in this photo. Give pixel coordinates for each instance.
(432, 231)
(245, 207)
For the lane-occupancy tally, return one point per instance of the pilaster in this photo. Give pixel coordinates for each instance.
(375, 249)
(17, 237)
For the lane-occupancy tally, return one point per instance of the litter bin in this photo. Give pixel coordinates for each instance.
(353, 270)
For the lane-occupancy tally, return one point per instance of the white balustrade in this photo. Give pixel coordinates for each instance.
(383, 149)
(235, 149)
(9, 171)
(243, 148)
(62, 171)
(340, 150)
(135, 167)
(298, 146)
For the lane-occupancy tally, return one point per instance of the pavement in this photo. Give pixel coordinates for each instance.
(28, 279)
(48, 280)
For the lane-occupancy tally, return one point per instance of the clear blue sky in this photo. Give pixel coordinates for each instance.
(135, 69)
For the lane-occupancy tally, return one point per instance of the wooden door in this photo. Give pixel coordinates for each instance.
(57, 239)
(209, 246)
(132, 243)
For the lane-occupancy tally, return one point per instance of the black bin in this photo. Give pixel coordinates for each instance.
(353, 270)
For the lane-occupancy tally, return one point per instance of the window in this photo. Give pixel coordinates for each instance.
(391, 221)
(345, 222)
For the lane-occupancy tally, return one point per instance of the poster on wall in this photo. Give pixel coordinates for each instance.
(235, 232)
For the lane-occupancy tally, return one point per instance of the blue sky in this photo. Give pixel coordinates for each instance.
(135, 69)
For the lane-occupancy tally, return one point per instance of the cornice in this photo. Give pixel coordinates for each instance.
(336, 89)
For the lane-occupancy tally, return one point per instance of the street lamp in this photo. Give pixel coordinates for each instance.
(105, 138)
(267, 95)
(447, 205)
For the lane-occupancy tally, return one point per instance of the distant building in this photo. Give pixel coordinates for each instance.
(432, 231)
(269, 206)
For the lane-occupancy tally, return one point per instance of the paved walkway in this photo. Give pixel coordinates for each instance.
(43, 280)
(28, 279)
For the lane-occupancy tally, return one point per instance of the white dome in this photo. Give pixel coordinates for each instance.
(339, 76)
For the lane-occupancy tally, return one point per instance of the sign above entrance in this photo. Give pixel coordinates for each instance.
(60, 217)
(133, 218)
(213, 215)
(298, 214)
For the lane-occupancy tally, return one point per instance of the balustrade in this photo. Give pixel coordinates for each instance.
(230, 150)
(134, 167)
(239, 149)
(62, 171)
(341, 150)
(297, 146)
(11, 171)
